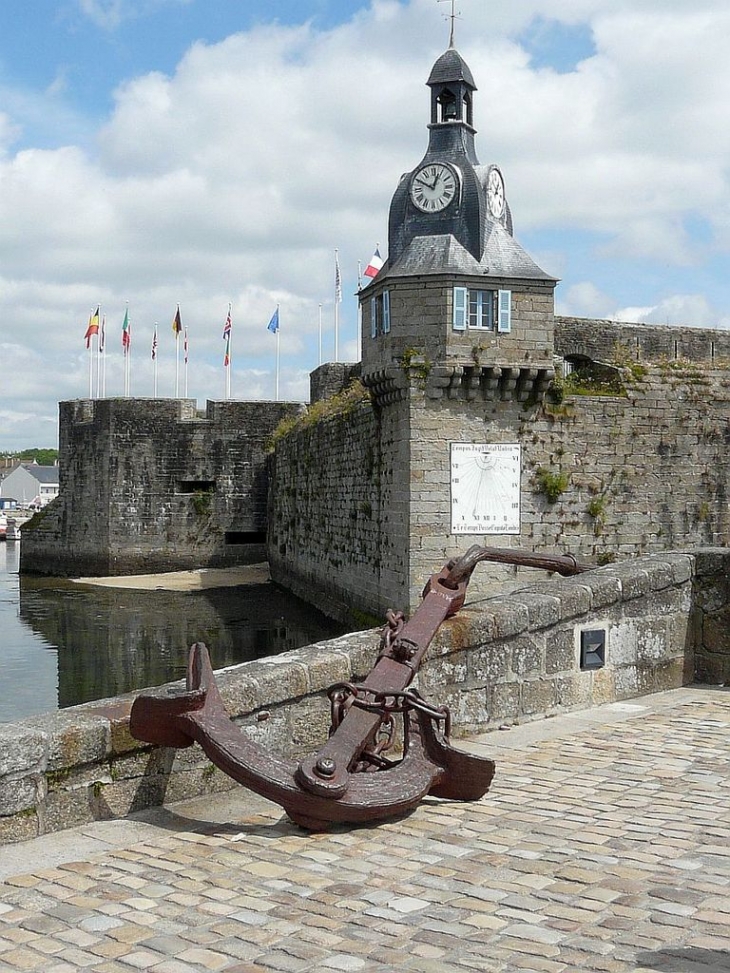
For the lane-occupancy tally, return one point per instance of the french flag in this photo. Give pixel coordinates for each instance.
(376, 262)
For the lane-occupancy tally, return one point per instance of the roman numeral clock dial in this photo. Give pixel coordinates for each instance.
(434, 187)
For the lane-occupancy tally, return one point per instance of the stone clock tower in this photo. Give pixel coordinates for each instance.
(457, 288)
(457, 341)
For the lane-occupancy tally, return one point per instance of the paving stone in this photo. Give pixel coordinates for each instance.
(590, 852)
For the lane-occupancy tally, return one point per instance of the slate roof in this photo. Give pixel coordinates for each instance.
(44, 474)
(451, 67)
(443, 254)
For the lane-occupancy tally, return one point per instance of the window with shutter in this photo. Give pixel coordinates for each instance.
(504, 304)
(461, 304)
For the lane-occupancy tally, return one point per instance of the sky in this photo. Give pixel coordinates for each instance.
(207, 152)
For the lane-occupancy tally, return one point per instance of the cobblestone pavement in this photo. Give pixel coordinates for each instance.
(603, 845)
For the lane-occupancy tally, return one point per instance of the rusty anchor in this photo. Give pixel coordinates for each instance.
(350, 779)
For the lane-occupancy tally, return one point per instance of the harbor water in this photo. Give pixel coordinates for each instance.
(62, 643)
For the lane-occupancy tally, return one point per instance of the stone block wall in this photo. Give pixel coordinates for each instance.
(501, 660)
(337, 519)
(421, 315)
(152, 485)
(631, 474)
(602, 340)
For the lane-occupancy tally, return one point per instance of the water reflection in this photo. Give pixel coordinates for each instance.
(62, 644)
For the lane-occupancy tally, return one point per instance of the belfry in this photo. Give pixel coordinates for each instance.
(457, 288)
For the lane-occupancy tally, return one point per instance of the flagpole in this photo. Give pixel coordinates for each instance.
(103, 357)
(98, 359)
(278, 348)
(185, 363)
(91, 357)
(127, 352)
(337, 305)
(230, 355)
(320, 334)
(154, 356)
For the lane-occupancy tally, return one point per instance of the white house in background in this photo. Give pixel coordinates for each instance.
(31, 484)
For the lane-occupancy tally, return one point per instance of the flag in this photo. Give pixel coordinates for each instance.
(185, 346)
(227, 326)
(273, 325)
(338, 279)
(102, 335)
(177, 323)
(126, 332)
(93, 327)
(227, 356)
(376, 262)
(154, 344)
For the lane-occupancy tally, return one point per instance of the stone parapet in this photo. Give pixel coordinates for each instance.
(501, 660)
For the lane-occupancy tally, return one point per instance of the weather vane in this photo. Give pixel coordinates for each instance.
(453, 18)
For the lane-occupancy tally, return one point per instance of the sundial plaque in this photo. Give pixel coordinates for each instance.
(485, 488)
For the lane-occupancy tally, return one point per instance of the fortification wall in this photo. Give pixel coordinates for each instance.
(153, 485)
(361, 508)
(501, 660)
(337, 524)
(605, 340)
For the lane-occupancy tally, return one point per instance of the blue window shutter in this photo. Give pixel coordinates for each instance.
(386, 312)
(373, 318)
(461, 306)
(504, 311)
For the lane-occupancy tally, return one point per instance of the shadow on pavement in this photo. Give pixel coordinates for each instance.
(689, 959)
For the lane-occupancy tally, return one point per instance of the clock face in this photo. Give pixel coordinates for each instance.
(434, 186)
(485, 488)
(495, 193)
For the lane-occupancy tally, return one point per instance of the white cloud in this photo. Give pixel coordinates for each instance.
(234, 179)
(679, 309)
(583, 300)
(109, 14)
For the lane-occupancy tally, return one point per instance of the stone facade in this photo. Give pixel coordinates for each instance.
(500, 660)
(152, 485)
(603, 476)
(422, 311)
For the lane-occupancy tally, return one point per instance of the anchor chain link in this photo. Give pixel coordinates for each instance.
(385, 704)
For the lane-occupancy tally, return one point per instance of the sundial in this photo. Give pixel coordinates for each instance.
(485, 488)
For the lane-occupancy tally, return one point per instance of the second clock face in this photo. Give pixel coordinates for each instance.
(495, 193)
(434, 187)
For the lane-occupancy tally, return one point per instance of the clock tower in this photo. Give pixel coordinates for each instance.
(457, 348)
(457, 288)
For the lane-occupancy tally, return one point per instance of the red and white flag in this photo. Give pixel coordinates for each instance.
(376, 262)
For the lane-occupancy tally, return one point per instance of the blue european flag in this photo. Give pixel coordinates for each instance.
(274, 322)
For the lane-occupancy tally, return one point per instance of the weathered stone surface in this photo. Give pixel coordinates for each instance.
(22, 749)
(19, 794)
(152, 485)
(486, 681)
(74, 738)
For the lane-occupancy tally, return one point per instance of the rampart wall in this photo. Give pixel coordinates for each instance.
(152, 485)
(501, 660)
(602, 340)
(362, 500)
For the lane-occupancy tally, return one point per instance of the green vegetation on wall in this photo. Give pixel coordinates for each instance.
(341, 404)
(552, 485)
